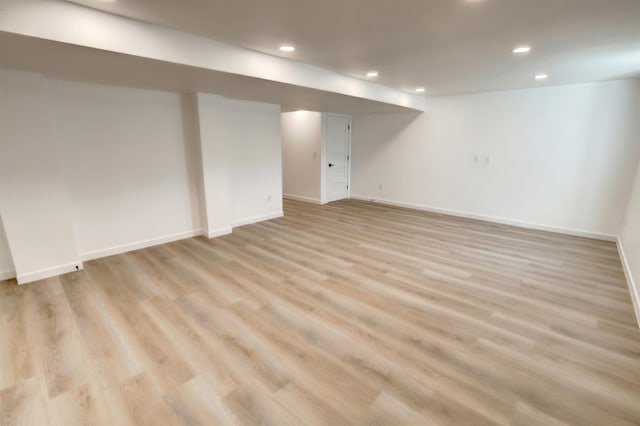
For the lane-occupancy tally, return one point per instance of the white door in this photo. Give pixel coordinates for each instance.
(337, 158)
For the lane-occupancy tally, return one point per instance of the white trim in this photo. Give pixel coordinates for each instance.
(323, 158)
(349, 158)
(633, 289)
(50, 272)
(219, 232)
(256, 219)
(7, 275)
(493, 219)
(97, 254)
(303, 199)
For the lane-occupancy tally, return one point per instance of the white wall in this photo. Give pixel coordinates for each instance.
(123, 154)
(34, 204)
(630, 241)
(117, 169)
(560, 157)
(128, 161)
(301, 154)
(255, 144)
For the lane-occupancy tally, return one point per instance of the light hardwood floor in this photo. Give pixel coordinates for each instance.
(350, 313)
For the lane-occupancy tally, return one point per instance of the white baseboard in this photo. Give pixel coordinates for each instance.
(7, 275)
(303, 199)
(50, 272)
(633, 289)
(111, 251)
(493, 219)
(219, 232)
(257, 219)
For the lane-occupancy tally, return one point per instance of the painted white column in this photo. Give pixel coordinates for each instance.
(215, 165)
(33, 201)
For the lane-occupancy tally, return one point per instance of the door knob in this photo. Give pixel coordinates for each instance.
(331, 165)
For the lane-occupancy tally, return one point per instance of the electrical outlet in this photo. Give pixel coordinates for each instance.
(380, 187)
(269, 198)
(487, 160)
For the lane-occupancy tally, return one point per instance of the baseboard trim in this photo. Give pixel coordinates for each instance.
(219, 232)
(633, 289)
(257, 219)
(303, 199)
(492, 219)
(7, 275)
(49, 272)
(111, 251)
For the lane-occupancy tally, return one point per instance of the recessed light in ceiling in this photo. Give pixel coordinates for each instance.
(541, 77)
(420, 89)
(373, 74)
(521, 50)
(287, 48)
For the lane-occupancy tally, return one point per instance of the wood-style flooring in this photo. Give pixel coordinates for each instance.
(350, 313)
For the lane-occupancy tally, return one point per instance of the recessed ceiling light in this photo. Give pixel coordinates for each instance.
(373, 74)
(541, 77)
(522, 49)
(287, 48)
(420, 89)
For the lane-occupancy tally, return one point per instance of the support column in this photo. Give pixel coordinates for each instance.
(215, 166)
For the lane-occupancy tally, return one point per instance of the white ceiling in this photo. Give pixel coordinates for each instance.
(448, 46)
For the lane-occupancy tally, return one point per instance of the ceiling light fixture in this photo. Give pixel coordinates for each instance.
(372, 74)
(541, 77)
(287, 48)
(420, 89)
(522, 49)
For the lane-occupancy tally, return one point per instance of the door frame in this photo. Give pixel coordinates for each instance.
(323, 155)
